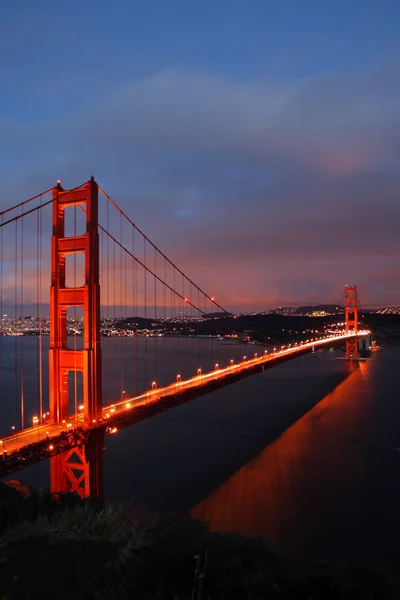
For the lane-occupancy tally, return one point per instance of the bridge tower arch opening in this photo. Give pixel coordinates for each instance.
(65, 472)
(351, 320)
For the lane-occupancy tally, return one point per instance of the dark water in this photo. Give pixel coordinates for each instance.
(130, 365)
(328, 487)
(307, 456)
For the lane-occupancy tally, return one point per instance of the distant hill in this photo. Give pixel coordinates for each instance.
(307, 310)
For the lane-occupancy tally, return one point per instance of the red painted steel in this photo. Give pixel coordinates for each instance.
(351, 320)
(63, 360)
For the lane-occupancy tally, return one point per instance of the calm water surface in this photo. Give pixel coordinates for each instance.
(307, 455)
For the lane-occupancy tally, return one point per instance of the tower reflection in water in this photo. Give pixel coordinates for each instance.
(292, 493)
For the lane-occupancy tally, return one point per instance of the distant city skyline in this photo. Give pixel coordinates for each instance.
(118, 312)
(256, 143)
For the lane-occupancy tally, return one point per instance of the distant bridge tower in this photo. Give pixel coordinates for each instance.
(351, 319)
(66, 474)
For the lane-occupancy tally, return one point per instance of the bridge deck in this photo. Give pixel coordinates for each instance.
(40, 442)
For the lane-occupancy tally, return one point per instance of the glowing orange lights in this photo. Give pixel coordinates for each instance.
(217, 372)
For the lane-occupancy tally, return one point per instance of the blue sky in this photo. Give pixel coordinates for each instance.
(264, 136)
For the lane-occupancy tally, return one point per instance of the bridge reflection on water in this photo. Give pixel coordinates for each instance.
(328, 486)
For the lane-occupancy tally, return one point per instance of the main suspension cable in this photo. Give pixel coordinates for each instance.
(160, 252)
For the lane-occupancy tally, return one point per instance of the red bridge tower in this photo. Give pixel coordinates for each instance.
(351, 319)
(78, 469)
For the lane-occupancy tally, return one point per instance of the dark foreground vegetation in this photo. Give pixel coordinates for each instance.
(66, 548)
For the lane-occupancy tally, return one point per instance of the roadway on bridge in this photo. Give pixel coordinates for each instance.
(41, 432)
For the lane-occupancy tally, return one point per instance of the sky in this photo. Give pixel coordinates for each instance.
(256, 142)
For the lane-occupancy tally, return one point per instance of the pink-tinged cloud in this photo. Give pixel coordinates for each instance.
(264, 192)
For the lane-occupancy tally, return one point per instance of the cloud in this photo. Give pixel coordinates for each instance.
(285, 188)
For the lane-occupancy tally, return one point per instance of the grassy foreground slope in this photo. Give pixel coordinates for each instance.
(65, 548)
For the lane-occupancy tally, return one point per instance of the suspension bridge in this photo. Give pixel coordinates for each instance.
(65, 381)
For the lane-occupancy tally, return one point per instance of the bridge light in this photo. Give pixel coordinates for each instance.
(178, 377)
(186, 300)
(198, 371)
(153, 385)
(35, 421)
(81, 407)
(212, 299)
(244, 357)
(51, 447)
(231, 361)
(216, 365)
(128, 405)
(255, 354)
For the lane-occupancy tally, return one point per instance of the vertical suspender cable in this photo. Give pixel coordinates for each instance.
(114, 313)
(108, 361)
(23, 322)
(40, 313)
(1, 322)
(121, 316)
(174, 371)
(16, 320)
(126, 370)
(134, 315)
(145, 315)
(155, 316)
(199, 366)
(184, 339)
(164, 316)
